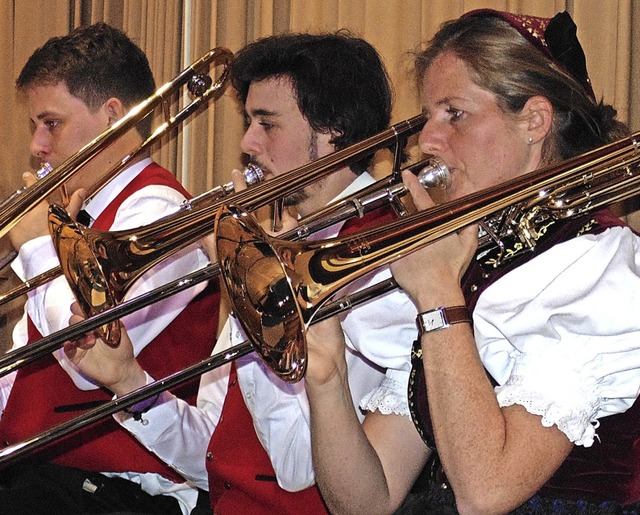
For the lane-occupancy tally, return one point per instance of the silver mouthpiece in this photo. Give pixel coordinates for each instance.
(435, 174)
(43, 170)
(253, 174)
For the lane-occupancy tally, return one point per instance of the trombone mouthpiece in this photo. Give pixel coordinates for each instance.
(253, 174)
(435, 174)
(44, 170)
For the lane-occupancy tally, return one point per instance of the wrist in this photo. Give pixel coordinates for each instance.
(134, 378)
(441, 318)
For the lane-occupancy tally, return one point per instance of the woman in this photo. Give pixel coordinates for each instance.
(531, 389)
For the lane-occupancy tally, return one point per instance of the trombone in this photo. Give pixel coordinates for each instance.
(276, 287)
(252, 174)
(200, 85)
(386, 191)
(15, 451)
(101, 266)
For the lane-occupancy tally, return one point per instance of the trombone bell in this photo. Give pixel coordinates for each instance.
(261, 293)
(85, 270)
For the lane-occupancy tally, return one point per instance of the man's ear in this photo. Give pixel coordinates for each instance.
(114, 109)
(537, 116)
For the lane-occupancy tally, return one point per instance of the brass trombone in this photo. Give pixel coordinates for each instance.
(13, 452)
(100, 266)
(201, 86)
(276, 287)
(384, 192)
(252, 174)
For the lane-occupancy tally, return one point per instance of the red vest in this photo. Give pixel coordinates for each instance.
(44, 396)
(241, 477)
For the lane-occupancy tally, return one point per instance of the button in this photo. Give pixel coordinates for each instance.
(209, 456)
(227, 486)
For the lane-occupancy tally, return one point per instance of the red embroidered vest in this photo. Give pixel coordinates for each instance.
(241, 477)
(44, 396)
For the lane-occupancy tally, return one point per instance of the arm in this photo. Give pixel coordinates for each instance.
(177, 432)
(360, 468)
(495, 453)
(280, 413)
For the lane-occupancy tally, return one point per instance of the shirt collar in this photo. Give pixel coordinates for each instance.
(98, 203)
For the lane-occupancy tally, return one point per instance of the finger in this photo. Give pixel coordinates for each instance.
(238, 180)
(208, 243)
(421, 198)
(76, 310)
(75, 202)
(29, 178)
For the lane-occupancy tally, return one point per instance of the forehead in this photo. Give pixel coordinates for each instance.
(274, 95)
(448, 77)
(51, 98)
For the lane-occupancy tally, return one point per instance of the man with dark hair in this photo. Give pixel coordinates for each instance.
(304, 96)
(76, 87)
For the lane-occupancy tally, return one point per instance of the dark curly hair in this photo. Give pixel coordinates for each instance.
(339, 80)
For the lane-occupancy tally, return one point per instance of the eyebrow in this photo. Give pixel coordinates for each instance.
(262, 112)
(45, 114)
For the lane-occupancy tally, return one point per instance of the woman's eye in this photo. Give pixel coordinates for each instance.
(454, 114)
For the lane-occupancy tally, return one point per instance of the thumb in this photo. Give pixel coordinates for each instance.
(29, 178)
(75, 202)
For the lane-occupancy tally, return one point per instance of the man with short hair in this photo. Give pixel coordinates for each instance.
(76, 87)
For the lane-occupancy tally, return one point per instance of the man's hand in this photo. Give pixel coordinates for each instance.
(32, 224)
(116, 368)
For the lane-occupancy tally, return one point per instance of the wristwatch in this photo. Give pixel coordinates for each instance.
(441, 318)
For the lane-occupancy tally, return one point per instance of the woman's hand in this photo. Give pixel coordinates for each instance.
(434, 272)
(326, 352)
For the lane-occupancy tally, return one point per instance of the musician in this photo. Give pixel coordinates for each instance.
(253, 427)
(76, 87)
(532, 386)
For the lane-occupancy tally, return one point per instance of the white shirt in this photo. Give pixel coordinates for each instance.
(561, 333)
(49, 305)
(180, 434)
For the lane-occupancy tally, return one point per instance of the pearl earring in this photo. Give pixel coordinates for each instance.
(530, 140)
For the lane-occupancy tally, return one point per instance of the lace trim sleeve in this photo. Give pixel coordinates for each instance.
(391, 396)
(564, 396)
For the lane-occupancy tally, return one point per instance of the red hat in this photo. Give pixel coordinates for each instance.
(555, 37)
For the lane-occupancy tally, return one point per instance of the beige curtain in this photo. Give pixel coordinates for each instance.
(173, 33)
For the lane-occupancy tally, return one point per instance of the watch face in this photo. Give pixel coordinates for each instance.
(432, 320)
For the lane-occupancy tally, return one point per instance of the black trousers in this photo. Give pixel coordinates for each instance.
(42, 488)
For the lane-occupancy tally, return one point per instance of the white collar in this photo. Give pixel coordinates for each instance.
(98, 203)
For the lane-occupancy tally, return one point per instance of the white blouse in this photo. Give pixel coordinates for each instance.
(561, 333)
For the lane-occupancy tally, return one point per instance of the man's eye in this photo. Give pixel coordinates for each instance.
(266, 126)
(51, 124)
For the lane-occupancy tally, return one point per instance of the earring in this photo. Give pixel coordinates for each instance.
(530, 140)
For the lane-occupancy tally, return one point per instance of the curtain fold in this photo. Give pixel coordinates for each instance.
(174, 33)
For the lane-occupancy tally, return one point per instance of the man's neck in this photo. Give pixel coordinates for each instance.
(331, 187)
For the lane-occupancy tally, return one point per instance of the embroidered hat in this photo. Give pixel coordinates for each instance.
(555, 37)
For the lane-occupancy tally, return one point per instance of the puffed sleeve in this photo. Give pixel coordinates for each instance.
(561, 333)
(383, 331)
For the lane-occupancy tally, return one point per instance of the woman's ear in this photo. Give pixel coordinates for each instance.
(537, 116)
